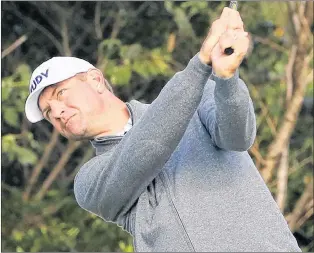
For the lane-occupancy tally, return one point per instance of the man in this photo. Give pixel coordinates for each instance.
(176, 174)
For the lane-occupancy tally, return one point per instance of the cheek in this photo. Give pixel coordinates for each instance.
(88, 103)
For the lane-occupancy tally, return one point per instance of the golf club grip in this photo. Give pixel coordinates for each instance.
(232, 5)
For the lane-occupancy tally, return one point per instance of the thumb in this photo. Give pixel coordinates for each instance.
(207, 48)
(210, 42)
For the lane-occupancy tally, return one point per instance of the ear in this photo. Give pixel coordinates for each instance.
(96, 79)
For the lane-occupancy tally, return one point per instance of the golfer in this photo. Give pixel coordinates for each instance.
(175, 173)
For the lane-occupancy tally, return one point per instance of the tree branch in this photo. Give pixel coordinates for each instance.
(282, 174)
(295, 19)
(87, 155)
(78, 41)
(291, 170)
(300, 209)
(40, 28)
(289, 71)
(40, 6)
(308, 212)
(290, 118)
(284, 133)
(270, 43)
(270, 121)
(254, 150)
(98, 29)
(40, 165)
(14, 46)
(282, 179)
(71, 147)
(309, 77)
(65, 37)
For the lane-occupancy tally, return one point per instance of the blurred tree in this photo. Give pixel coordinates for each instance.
(138, 46)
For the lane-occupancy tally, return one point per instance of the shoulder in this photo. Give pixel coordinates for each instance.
(92, 167)
(137, 105)
(88, 175)
(137, 109)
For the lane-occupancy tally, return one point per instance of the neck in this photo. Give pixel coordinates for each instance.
(115, 118)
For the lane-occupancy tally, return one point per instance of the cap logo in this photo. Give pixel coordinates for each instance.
(37, 80)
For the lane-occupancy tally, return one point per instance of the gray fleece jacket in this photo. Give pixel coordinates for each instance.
(181, 179)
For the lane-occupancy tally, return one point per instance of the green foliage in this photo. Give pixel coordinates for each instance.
(181, 19)
(23, 155)
(194, 8)
(277, 13)
(10, 115)
(14, 93)
(47, 226)
(132, 59)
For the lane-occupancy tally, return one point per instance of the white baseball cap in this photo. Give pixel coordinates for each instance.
(50, 72)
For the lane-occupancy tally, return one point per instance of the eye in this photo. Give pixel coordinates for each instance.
(60, 93)
(48, 114)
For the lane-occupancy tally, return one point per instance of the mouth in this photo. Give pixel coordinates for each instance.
(65, 124)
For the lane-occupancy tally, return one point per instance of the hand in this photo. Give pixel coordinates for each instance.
(229, 19)
(224, 65)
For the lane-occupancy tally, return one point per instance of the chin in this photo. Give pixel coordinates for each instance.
(76, 134)
(76, 130)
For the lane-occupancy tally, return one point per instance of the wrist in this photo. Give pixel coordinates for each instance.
(196, 65)
(224, 74)
(205, 59)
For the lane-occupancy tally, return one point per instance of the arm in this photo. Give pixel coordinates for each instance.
(227, 112)
(110, 184)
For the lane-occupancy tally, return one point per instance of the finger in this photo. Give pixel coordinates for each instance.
(240, 49)
(219, 26)
(233, 18)
(217, 29)
(229, 38)
(235, 21)
(241, 46)
(225, 13)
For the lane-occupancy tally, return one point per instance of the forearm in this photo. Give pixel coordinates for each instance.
(235, 117)
(169, 115)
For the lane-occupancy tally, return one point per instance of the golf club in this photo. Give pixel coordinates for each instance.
(233, 5)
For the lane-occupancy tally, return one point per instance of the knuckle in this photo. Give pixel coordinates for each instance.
(233, 12)
(225, 11)
(242, 54)
(215, 22)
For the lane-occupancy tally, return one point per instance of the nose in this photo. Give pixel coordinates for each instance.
(57, 108)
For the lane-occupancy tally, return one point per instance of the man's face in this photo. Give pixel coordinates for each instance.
(72, 107)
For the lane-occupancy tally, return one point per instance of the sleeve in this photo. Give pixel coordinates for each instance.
(110, 184)
(227, 112)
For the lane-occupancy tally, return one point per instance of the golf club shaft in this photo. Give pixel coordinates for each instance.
(233, 5)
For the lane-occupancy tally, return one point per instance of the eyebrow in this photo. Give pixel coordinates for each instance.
(54, 91)
(47, 107)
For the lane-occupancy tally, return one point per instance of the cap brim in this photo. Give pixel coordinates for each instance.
(32, 111)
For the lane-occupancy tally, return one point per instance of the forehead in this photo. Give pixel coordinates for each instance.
(47, 92)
